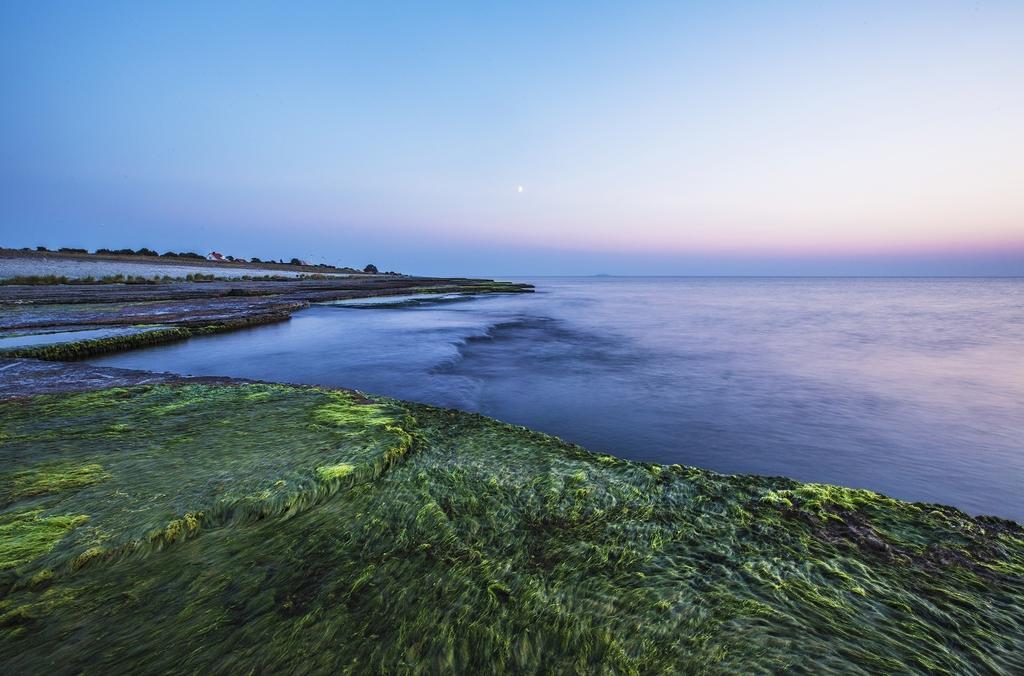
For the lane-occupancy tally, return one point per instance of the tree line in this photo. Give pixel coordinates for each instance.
(191, 255)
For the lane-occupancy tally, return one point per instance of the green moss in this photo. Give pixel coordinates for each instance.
(26, 535)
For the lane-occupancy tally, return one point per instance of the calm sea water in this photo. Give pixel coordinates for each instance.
(911, 387)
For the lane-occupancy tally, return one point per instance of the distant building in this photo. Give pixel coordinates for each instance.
(214, 256)
(241, 260)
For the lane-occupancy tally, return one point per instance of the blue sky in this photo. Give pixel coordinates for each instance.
(667, 138)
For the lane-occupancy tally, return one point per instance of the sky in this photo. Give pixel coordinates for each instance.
(523, 138)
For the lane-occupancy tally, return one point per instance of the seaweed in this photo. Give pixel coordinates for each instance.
(275, 528)
(49, 478)
(83, 349)
(26, 535)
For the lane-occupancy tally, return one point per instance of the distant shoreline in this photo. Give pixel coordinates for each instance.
(160, 260)
(177, 309)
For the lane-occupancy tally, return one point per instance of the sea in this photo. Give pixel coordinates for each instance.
(909, 387)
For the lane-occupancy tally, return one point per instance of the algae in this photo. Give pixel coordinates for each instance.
(298, 529)
(332, 472)
(26, 535)
(83, 349)
(48, 478)
(178, 457)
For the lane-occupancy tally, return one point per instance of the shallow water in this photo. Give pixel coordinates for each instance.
(914, 388)
(410, 299)
(27, 339)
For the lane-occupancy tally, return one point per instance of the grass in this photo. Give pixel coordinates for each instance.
(50, 280)
(267, 528)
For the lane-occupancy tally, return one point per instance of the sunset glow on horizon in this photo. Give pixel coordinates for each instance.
(508, 139)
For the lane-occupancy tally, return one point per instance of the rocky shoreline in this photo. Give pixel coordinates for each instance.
(151, 522)
(263, 527)
(179, 310)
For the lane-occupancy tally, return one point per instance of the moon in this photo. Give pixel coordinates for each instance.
(519, 188)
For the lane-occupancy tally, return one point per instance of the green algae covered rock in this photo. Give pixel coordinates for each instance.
(265, 528)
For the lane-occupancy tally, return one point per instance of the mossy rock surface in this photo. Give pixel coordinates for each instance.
(267, 528)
